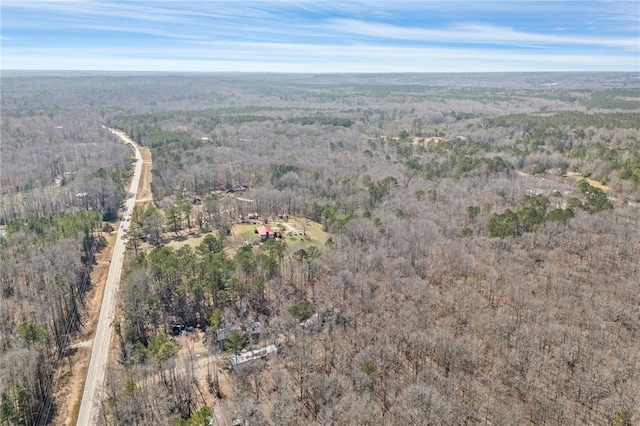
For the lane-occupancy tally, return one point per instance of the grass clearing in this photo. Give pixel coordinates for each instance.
(243, 232)
(315, 233)
(594, 183)
(191, 239)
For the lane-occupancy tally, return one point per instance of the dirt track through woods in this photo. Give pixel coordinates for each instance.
(144, 189)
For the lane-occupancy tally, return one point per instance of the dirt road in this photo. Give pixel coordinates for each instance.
(93, 389)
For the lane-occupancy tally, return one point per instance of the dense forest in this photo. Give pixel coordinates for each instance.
(451, 249)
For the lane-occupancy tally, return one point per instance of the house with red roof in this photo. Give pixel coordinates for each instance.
(265, 233)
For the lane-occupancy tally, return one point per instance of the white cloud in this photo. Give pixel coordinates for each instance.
(271, 57)
(471, 34)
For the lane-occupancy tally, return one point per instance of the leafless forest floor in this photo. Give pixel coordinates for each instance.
(466, 275)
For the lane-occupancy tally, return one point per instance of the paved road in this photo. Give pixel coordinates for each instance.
(93, 388)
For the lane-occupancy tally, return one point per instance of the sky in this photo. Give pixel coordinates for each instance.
(320, 36)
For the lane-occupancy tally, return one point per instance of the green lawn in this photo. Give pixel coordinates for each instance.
(316, 234)
(313, 233)
(243, 232)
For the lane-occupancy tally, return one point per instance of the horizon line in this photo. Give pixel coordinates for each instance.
(36, 70)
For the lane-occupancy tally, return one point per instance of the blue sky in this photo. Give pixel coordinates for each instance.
(321, 36)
